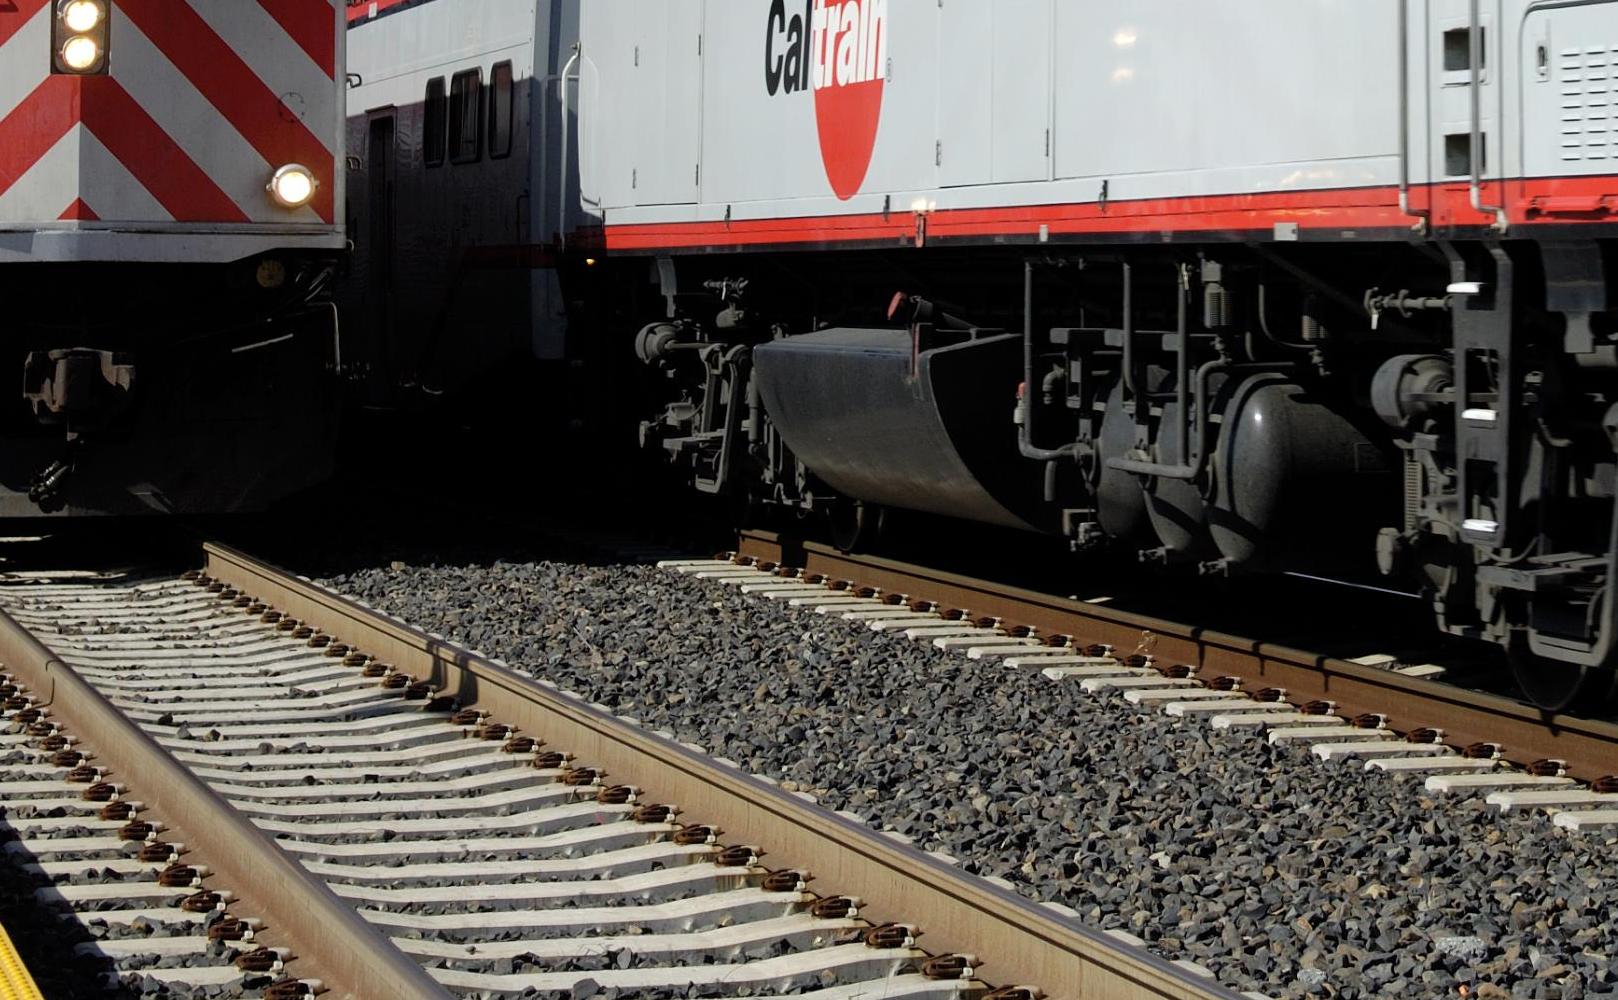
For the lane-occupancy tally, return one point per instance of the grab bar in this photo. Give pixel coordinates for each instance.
(1475, 35)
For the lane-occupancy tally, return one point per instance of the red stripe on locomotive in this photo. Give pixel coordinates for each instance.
(36, 125)
(232, 87)
(1346, 209)
(311, 25)
(184, 189)
(359, 10)
(79, 212)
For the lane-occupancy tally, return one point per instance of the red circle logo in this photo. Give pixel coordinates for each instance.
(849, 63)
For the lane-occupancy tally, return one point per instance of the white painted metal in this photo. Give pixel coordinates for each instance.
(1569, 59)
(972, 90)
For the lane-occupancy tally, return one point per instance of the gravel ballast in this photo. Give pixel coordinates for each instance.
(1279, 873)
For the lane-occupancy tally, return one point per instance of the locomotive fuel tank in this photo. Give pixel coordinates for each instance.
(1296, 484)
(882, 422)
(1120, 504)
(1178, 511)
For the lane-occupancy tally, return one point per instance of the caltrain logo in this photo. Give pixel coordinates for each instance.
(840, 52)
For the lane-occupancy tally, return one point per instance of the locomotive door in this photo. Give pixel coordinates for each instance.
(1466, 156)
(668, 64)
(994, 91)
(1569, 84)
(380, 239)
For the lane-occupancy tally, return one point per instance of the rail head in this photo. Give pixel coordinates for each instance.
(963, 913)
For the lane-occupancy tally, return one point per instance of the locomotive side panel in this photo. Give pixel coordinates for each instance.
(908, 104)
(1155, 90)
(760, 131)
(994, 83)
(668, 119)
(1569, 59)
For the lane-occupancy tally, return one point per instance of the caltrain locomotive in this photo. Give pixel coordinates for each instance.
(171, 217)
(1284, 285)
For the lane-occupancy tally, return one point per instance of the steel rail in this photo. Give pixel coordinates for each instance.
(1022, 941)
(353, 959)
(1589, 746)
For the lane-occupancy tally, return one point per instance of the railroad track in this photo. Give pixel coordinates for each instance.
(1463, 741)
(412, 818)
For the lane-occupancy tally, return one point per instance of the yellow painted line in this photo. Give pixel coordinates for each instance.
(15, 982)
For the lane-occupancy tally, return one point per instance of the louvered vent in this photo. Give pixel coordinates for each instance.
(1586, 76)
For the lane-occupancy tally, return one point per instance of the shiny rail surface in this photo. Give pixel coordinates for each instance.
(1527, 736)
(447, 822)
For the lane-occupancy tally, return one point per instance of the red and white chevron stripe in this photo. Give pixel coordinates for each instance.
(203, 101)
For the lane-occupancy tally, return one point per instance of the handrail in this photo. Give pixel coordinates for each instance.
(1475, 43)
(1404, 122)
(567, 128)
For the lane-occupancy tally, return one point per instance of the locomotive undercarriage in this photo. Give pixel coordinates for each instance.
(172, 388)
(1443, 415)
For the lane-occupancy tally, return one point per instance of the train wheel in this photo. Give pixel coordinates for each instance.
(1553, 686)
(746, 510)
(855, 525)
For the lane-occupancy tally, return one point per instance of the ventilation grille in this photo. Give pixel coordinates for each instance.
(1588, 94)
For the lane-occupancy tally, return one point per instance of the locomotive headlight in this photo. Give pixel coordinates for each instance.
(81, 15)
(80, 53)
(293, 186)
(79, 37)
